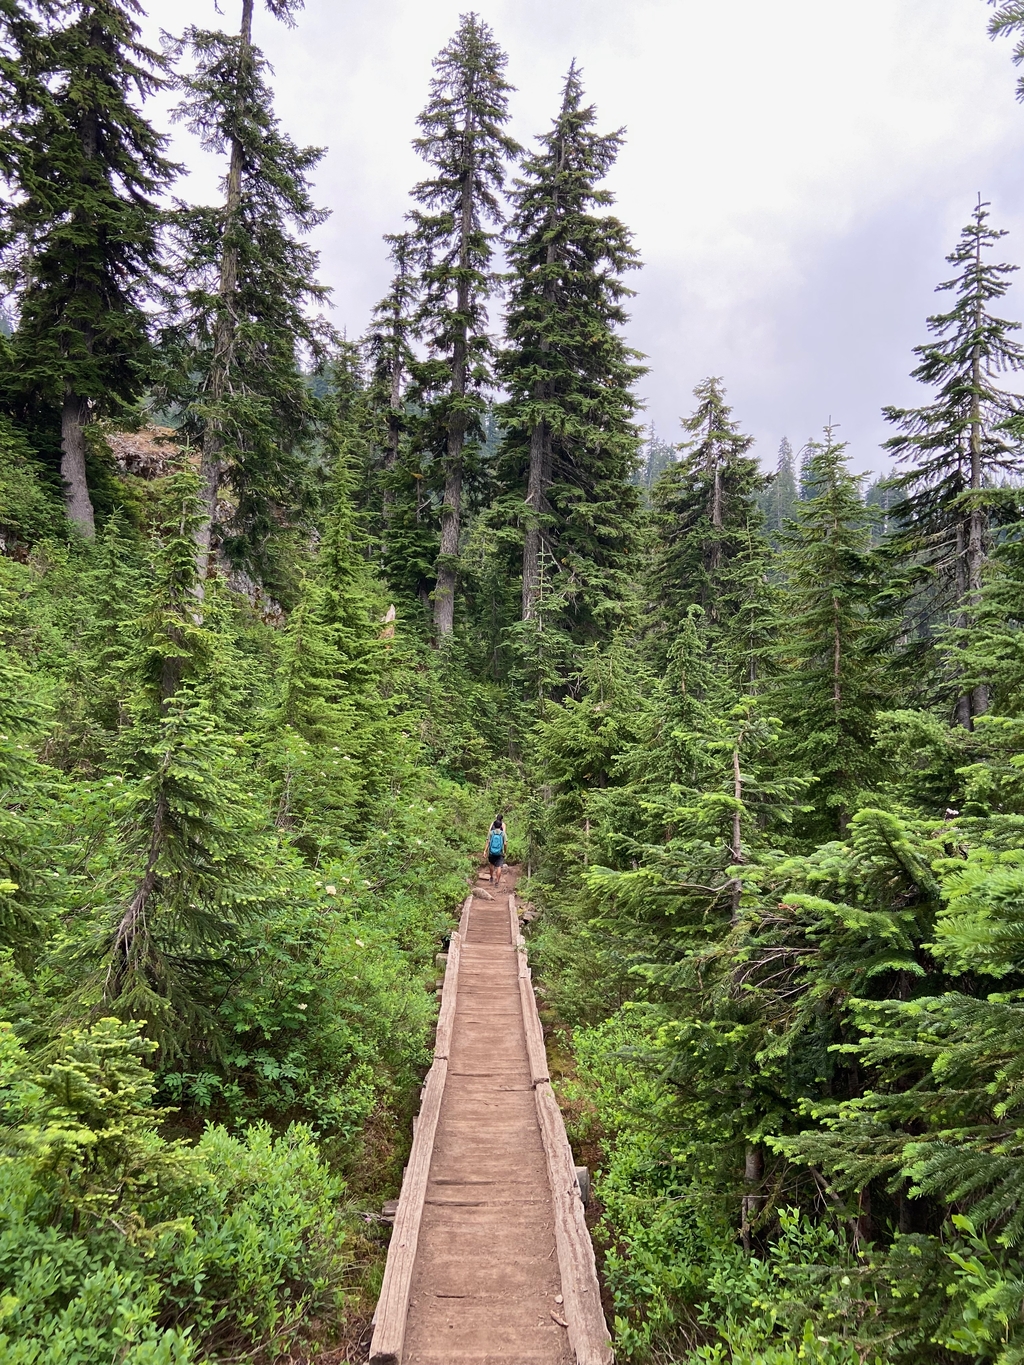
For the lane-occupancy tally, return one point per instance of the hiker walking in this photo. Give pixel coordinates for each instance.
(496, 847)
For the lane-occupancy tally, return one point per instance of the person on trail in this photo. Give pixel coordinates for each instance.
(496, 847)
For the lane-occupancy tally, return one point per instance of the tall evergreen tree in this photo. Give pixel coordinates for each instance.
(389, 347)
(194, 850)
(828, 689)
(706, 515)
(779, 500)
(464, 142)
(961, 442)
(241, 330)
(80, 231)
(572, 444)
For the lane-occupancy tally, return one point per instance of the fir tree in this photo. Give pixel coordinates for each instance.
(389, 347)
(706, 516)
(828, 687)
(961, 442)
(241, 328)
(194, 853)
(571, 439)
(81, 229)
(464, 141)
(778, 502)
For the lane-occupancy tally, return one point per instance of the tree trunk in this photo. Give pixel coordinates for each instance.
(539, 478)
(737, 831)
(751, 1207)
(963, 704)
(533, 541)
(211, 468)
(74, 416)
(978, 526)
(447, 563)
(132, 940)
(394, 433)
(77, 502)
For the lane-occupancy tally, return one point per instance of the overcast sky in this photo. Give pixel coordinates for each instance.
(795, 172)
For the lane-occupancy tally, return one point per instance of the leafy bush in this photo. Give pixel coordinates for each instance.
(116, 1243)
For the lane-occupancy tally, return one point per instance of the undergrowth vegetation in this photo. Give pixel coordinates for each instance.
(286, 618)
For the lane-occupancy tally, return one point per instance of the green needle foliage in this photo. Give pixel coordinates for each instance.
(464, 142)
(240, 327)
(79, 234)
(706, 517)
(959, 444)
(758, 738)
(828, 687)
(571, 445)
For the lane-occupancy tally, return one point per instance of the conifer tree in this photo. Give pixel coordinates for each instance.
(706, 516)
(81, 228)
(327, 741)
(828, 688)
(779, 500)
(963, 440)
(656, 457)
(194, 854)
(463, 140)
(572, 444)
(241, 330)
(389, 347)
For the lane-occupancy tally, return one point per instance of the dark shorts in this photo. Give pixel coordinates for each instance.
(496, 859)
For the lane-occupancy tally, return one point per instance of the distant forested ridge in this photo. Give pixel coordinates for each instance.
(286, 617)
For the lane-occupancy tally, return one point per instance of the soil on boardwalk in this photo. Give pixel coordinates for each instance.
(486, 1287)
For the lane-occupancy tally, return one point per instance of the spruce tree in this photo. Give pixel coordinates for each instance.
(464, 142)
(778, 502)
(241, 330)
(706, 517)
(572, 445)
(81, 228)
(960, 443)
(828, 687)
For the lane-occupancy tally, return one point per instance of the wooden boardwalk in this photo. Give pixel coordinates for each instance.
(490, 1259)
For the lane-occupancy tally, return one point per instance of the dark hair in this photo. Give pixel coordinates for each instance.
(497, 822)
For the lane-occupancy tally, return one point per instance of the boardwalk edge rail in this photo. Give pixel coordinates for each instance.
(581, 1292)
(392, 1313)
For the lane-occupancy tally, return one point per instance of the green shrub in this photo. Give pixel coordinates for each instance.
(30, 508)
(117, 1244)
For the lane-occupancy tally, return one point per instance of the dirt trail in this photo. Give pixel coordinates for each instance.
(486, 1285)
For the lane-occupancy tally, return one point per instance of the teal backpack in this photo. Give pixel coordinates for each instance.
(496, 843)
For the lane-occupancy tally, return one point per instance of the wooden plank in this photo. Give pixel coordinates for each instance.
(467, 905)
(449, 991)
(393, 1305)
(535, 1049)
(581, 1293)
(513, 915)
